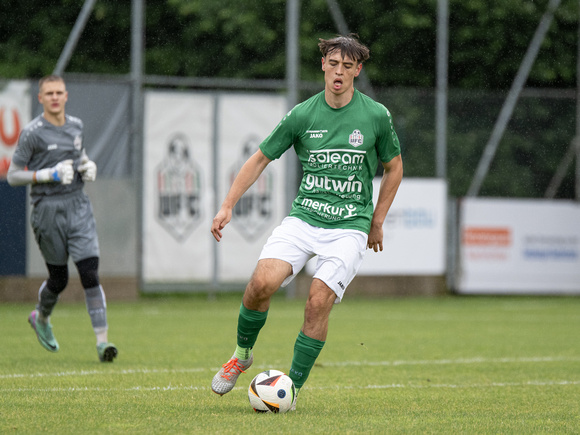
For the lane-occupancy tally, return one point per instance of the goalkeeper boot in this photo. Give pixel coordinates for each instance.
(107, 352)
(43, 332)
(225, 380)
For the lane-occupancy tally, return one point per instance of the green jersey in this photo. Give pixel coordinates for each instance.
(339, 150)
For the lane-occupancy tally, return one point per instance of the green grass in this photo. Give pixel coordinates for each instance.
(472, 365)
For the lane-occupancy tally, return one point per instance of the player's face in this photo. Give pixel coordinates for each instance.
(339, 72)
(53, 97)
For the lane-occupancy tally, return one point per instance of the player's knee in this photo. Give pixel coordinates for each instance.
(89, 272)
(320, 299)
(57, 278)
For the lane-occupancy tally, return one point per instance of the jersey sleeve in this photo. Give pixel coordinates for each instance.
(388, 146)
(24, 149)
(281, 138)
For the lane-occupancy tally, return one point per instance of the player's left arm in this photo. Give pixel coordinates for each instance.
(392, 176)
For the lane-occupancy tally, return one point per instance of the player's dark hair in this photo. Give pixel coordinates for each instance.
(49, 78)
(347, 45)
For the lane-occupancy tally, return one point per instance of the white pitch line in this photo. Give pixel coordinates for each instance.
(475, 360)
(100, 372)
(336, 387)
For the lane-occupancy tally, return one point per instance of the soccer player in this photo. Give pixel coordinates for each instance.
(340, 135)
(51, 157)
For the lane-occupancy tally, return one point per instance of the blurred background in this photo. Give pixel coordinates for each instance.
(483, 95)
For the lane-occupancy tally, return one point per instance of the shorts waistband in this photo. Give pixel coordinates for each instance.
(57, 197)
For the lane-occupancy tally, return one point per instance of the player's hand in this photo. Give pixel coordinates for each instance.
(88, 169)
(219, 222)
(62, 173)
(375, 239)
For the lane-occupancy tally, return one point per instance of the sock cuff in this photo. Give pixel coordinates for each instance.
(252, 315)
(308, 345)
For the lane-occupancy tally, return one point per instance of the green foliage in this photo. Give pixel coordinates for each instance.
(438, 365)
(247, 39)
(227, 38)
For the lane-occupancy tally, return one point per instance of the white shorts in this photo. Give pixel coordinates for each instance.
(340, 252)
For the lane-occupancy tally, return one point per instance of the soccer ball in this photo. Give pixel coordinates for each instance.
(272, 391)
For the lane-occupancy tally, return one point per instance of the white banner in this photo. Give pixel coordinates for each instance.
(177, 199)
(516, 246)
(14, 115)
(244, 122)
(180, 139)
(414, 232)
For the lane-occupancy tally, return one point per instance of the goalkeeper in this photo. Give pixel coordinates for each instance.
(50, 156)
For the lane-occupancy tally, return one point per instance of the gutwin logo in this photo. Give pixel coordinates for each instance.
(314, 182)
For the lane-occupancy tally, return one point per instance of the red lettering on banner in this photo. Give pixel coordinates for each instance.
(4, 165)
(13, 138)
(480, 236)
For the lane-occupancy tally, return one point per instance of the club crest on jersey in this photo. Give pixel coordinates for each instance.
(179, 190)
(356, 138)
(254, 211)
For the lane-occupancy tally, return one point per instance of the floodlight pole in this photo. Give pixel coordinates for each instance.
(73, 37)
(340, 23)
(512, 98)
(442, 81)
(292, 87)
(137, 46)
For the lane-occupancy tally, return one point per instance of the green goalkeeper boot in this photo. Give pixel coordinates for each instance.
(107, 352)
(43, 332)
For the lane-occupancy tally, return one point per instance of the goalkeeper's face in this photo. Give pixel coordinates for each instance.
(339, 72)
(53, 97)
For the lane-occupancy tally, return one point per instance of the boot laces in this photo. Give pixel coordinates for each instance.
(232, 368)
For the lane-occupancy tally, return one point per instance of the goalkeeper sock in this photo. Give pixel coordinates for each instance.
(306, 350)
(250, 323)
(47, 299)
(97, 308)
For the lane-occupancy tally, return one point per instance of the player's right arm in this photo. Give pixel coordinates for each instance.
(248, 174)
(62, 173)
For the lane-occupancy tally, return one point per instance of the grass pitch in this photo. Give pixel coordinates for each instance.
(473, 365)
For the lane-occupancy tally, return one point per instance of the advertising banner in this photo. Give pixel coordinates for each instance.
(14, 115)
(244, 122)
(194, 142)
(414, 240)
(514, 246)
(177, 198)
(414, 232)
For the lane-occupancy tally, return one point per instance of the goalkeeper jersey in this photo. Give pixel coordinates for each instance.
(339, 150)
(43, 145)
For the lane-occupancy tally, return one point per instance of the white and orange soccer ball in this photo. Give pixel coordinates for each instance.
(272, 391)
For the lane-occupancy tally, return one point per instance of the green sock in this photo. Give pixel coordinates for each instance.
(250, 323)
(306, 350)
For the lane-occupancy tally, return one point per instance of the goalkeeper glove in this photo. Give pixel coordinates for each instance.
(88, 169)
(62, 173)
